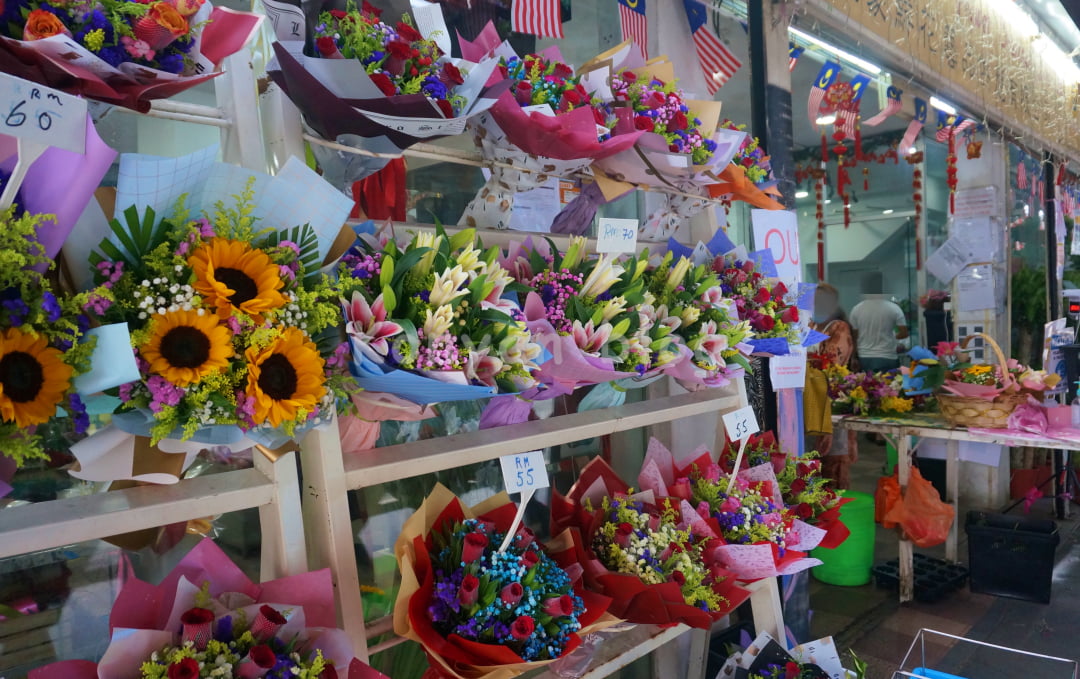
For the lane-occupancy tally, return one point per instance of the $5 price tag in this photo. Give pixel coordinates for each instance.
(741, 423)
(524, 471)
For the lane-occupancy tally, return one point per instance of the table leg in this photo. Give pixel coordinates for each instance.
(952, 485)
(767, 610)
(906, 556)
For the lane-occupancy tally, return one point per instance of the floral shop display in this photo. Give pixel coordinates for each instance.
(377, 87)
(121, 52)
(485, 604)
(207, 619)
(653, 556)
(765, 658)
(761, 302)
(869, 393)
(748, 177)
(544, 126)
(756, 534)
(430, 321)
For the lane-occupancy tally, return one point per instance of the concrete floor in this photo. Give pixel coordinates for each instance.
(880, 631)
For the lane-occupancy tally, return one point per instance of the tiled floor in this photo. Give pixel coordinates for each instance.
(870, 622)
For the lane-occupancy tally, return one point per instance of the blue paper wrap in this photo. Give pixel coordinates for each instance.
(411, 386)
(140, 422)
(773, 346)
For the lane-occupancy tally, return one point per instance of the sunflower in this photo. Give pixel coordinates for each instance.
(285, 377)
(185, 347)
(232, 276)
(33, 378)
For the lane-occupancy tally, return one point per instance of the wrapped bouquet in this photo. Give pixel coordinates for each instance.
(377, 87)
(761, 302)
(867, 393)
(206, 619)
(430, 322)
(748, 177)
(120, 52)
(480, 610)
(653, 556)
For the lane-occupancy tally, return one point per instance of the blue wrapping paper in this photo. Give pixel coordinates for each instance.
(773, 346)
(140, 422)
(813, 337)
(411, 386)
(719, 244)
(765, 262)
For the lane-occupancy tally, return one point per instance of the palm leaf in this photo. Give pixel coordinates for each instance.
(137, 238)
(306, 239)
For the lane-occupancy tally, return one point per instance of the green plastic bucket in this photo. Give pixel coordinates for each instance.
(850, 563)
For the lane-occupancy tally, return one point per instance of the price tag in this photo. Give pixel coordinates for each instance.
(741, 424)
(41, 115)
(524, 471)
(616, 235)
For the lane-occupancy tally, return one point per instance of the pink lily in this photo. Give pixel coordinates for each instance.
(482, 367)
(369, 324)
(590, 339)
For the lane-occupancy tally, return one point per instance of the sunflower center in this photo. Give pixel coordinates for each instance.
(277, 377)
(22, 376)
(235, 279)
(185, 347)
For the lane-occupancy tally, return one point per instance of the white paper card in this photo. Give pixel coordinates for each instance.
(524, 471)
(41, 115)
(788, 372)
(975, 288)
(979, 236)
(949, 259)
(431, 24)
(778, 231)
(616, 235)
(701, 254)
(741, 424)
(417, 127)
(287, 20)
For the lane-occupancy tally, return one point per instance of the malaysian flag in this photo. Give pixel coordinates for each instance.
(891, 108)
(542, 18)
(914, 127)
(950, 124)
(717, 62)
(633, 24)
(793, 54)
(845, 119)
(1021, 176)
(826, 77)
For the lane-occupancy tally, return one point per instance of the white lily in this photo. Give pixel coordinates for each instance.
(470, 262)
(427, 240)
(601, 278)
(690, 315)
(678, 272)
(447, 286)
(613, 307)
(438, 323)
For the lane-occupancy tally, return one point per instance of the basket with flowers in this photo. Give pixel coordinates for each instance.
(376, 86)
(125, 52)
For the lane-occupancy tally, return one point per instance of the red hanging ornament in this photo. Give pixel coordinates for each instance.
(914, 160)
(866, 179)
(951, 173)
(819, 197)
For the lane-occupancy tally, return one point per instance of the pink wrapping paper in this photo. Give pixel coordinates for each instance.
(360, 432)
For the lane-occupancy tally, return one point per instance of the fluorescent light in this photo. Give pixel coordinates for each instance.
(826, 120)
(1020, 20)
(886, 212)
(943, 106)
(846, 56)
(827, 201)
(801, 194)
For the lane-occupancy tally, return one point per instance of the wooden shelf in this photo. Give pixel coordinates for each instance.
(391, 463)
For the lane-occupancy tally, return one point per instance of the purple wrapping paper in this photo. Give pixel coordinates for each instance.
(60, 183)
(503, 410)
(577, 216)
(7, 472)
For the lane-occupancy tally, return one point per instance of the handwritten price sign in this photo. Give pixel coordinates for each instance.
(524, 471)
(41, 115)
(616, 235)
(741, 423)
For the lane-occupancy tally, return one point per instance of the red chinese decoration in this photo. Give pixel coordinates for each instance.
(866, 179)
(915, 160)
(950, 173)
(819, 196)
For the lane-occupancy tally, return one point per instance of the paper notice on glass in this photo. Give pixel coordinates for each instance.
(980, 202)
(975, 288)
(535, 209)
(979, 236)
(949, 259)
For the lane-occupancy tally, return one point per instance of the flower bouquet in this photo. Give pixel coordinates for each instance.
(224, 316)
(377, 87)
(430, 322)
(482, 611)
(544, 126)
(748, 177)
(867, 393)
(767, 659)
(761, 302)
(757, 535)
(206, 619)
(122, 52)
(653, 556)
(47, 349)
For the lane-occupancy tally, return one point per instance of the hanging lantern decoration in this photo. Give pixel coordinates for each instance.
(915, 160)
(974, 150)
(950, 173)
(866, 179)
(819, 197)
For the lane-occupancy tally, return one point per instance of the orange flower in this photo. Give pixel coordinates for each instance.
(161, 25)
(42, 23)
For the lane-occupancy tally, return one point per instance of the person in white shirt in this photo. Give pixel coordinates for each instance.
(879, 324)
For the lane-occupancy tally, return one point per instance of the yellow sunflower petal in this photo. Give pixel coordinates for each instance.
(185, 347)
(231, 276)
(33, 378)
(285, 378)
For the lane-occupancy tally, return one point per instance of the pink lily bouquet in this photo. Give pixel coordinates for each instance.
(430, 322)
(207, 619)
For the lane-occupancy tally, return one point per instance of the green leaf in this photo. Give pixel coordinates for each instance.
(620, 328)
(493, 315)
(741, 360)
(410, 331)
(407, 262)
(389, 300)
(462, 238)
(386, 272)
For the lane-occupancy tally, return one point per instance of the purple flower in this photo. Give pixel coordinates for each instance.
(78, 414)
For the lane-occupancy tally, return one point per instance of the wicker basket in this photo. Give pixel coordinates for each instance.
(969, 411)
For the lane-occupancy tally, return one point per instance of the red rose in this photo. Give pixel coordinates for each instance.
(677, 122)
(451, 75)
(762, 296)
(798, 486)
(790, 315)
(326, 46)
(557, 606)
(523, 93)
(679, 578)
(779, 290)
(399, 49)
(792, 670)
(523, 627)
(188, 668)
(384, 83)
(766, 323)
(571, 98)
(370, 10)
(263, 656)
(644, 123)
(474, 546)
(747, 161)
(271, 614)
(533, 62)
(338, 14)
(561, 70)
(530, 559)
(407, 32)
(446, 108)
(804, 510)
(197, 616)
(628, 76)
(598, 117)
(469, 590)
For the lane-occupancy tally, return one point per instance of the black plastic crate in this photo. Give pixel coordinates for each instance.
(1011, 556)
(934, 578)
